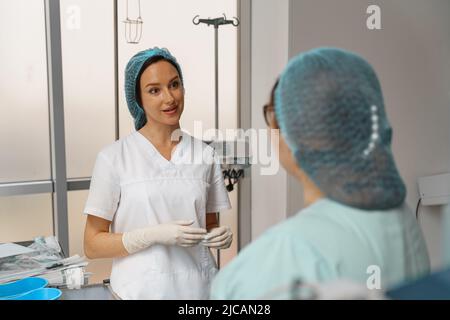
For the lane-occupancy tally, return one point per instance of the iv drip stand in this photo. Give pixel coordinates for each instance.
(216, 23)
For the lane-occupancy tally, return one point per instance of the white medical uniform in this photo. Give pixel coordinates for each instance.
(134, 186)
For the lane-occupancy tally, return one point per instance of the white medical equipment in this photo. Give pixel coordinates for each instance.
(435, 190)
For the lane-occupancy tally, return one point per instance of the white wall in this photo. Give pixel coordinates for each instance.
(269, 56)
(411, 55)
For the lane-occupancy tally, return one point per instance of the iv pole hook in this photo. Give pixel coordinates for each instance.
(198, 21)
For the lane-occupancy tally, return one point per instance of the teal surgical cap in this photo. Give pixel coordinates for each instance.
(330, 110)
(133, 72)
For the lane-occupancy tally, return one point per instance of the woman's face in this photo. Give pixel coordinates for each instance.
(162, 93)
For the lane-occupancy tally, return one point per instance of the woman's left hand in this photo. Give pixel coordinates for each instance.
(219, 238)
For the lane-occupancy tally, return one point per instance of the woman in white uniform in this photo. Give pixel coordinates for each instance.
(151, 207)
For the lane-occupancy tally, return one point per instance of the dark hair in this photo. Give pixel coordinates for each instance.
(272, 93)
(147, 63)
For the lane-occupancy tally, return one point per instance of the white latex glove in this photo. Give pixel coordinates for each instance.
(219, 238)
(174, 233)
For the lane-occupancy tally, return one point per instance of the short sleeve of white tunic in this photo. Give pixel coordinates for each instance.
(104, 191)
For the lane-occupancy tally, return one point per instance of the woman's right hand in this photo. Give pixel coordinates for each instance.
(174, 233)
(178, 233)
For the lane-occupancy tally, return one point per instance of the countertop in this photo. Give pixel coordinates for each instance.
(89, 292)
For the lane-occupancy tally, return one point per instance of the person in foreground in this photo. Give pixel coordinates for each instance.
(335, 139)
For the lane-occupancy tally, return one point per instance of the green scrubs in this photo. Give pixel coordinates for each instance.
(324, 242)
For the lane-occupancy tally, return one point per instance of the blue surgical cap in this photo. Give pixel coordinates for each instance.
(132, 73)
(330, 110)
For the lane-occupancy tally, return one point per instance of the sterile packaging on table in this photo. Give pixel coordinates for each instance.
(45, 261)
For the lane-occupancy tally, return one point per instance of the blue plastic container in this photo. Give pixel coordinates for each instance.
(17, 288)
(41, 294)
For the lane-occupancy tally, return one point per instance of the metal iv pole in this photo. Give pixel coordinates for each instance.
(216, 22)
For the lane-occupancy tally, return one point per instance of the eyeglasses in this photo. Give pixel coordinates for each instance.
(269, 116)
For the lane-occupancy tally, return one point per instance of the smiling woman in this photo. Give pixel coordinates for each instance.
(161, 208)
